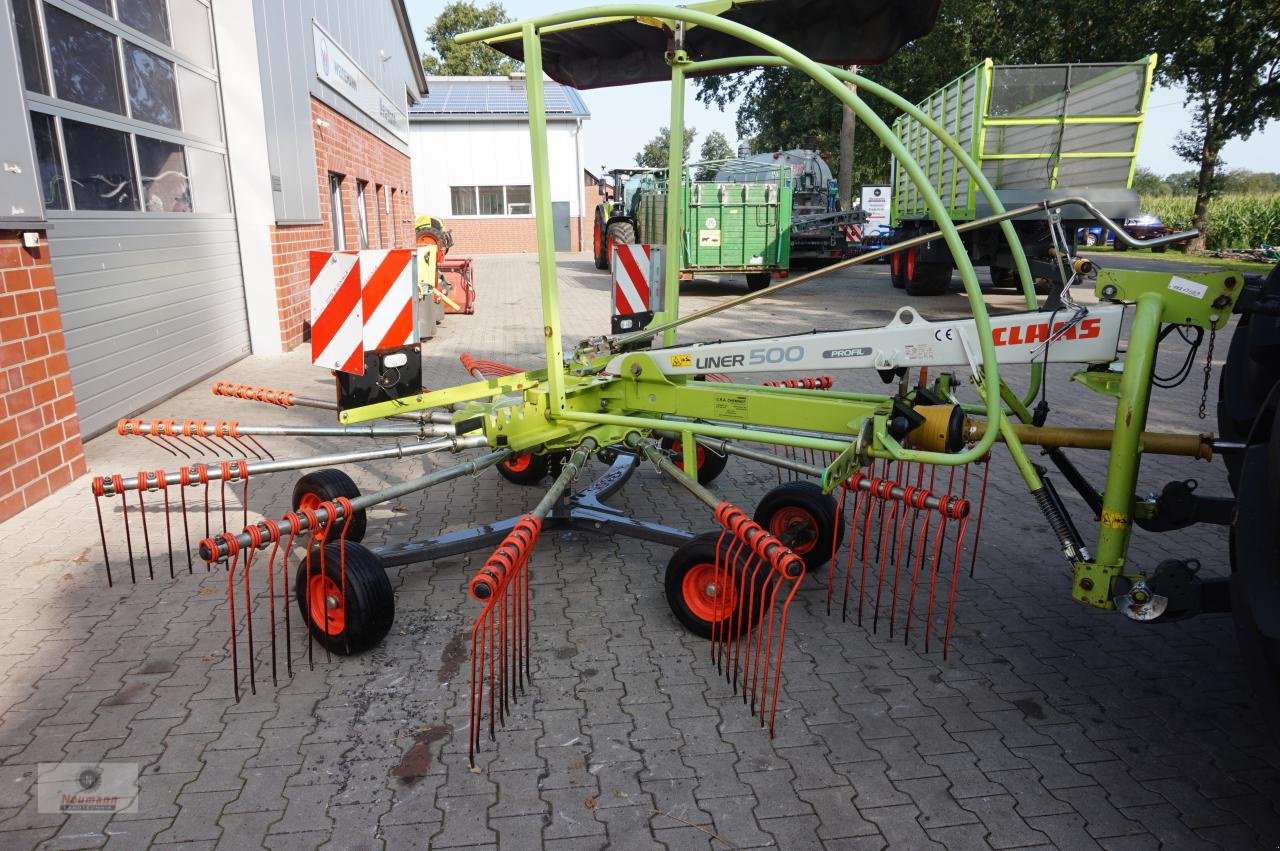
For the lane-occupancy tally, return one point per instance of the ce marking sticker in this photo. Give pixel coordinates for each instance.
(944, 334)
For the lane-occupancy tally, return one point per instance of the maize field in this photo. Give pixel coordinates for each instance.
(1235, 221)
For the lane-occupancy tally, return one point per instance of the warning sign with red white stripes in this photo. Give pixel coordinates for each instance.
(360, 301)
(631, 277)
(386, 295)
(337, 320)
(853, 233)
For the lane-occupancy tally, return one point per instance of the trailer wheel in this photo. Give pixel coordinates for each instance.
(1002, 278)
(759, 280)
(326, 486)
(346, 614)
(896, 276)
(926, 279)
(805, 519)
(528, 468)
(695, 598)
(1119, 245)
(599, 243)
(710, 464)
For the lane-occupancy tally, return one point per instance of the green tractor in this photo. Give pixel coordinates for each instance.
(615, 219)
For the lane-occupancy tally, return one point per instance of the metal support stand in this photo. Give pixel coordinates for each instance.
(581, 511)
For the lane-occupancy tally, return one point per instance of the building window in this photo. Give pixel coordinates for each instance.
(491, 200)
(362, 215)
(97, 64)
(335, 212)
(101, 167)
(166, 187)
(85, 67)
(519, 200)
(53, 186)
(378, 214)
(153, 95)
(145, 16)
(30, 46)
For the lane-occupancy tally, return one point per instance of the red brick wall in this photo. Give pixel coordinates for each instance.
(342, 147)
(505, 235)
(40, 449)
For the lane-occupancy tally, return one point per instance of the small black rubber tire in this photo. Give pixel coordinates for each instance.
(599, 242)
(1119, 246)
(1159, 249)
(801, 498)
(621, 231)
(758, 280)
(529, 468)
(710, 464)
(368, 601)
(700, 554)
(326, 486)
(930, 279)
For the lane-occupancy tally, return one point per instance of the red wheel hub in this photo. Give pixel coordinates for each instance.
(518, 463)
(801, 525)
(705, 597)
(326, 604)
(310, 501)
(911, 264)
(700, 453)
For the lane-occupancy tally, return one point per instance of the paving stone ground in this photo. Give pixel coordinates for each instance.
(1049, 725)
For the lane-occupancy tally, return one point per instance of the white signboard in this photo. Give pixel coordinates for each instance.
(339, 72)
(875, 202)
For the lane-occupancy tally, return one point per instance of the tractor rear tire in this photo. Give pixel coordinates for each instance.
(710, 464)
(693, 597)
(758, 280)
(351, 619)
(599, 242)
(808, 515)
(326, 486)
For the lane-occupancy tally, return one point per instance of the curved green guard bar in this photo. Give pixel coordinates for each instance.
(898, 101)
(820, 73)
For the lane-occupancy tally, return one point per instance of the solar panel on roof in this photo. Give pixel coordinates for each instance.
(494, 97)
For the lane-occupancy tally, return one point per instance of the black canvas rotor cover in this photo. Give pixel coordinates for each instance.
(621, 52)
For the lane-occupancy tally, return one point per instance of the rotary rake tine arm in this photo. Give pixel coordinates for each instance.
(324, 523)
(501, 633)
(286, 399)
(202, 475)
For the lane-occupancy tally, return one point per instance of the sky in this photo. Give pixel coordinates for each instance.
(624, 118)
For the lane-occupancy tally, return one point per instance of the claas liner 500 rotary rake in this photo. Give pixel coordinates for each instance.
(877, 492)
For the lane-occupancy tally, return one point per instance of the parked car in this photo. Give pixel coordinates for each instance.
(1142, 226)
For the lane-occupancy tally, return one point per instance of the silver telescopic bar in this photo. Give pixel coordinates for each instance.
(572, 467)
(258, 468)
(294, 524)
(230, 429)
(617, 343)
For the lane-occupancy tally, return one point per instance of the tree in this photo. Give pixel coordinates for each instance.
(466, 60)
(714, 147)
(654, 152)
(1224, 53)
(1149, 184)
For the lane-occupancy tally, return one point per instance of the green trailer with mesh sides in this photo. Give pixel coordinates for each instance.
(1037, 132)
(730, 228)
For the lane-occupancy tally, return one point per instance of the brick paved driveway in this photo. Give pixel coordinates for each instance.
(1050, 725)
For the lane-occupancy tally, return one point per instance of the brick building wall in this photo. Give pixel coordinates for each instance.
(40, 449)
(507, 235)
(342, 147)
